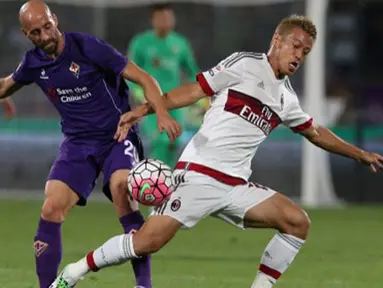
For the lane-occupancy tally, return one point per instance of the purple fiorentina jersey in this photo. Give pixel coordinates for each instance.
(84, 83)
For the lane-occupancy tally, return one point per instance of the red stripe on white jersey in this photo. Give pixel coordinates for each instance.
(303, 126)
(204, 85)
(252, 110)
(217, 175)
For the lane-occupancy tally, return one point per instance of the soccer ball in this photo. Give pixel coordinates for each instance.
(150, 182)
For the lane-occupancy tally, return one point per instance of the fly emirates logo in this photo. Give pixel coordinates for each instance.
(261, 120)
(73, 95)
(252, 110)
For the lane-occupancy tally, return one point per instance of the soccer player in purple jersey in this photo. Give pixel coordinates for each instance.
(83, 78)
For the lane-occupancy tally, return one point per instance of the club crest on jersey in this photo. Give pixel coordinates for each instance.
(40, 247)
(176, 205)
(75, 69)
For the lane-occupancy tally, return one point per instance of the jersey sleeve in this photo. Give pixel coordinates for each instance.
(22, 74)
(104, 55)
(226, 74)
(296, 119)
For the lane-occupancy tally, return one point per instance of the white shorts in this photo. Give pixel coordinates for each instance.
(197, 196)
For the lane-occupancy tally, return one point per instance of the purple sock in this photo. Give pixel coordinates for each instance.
(48, 252)
(142, 266)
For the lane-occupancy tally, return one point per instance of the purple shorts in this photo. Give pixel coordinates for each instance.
(80, 162)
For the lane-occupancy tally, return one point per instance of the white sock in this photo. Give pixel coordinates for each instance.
(115, 251)
(278, 255)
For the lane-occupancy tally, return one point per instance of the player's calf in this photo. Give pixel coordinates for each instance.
(119, 249)
(292, 224)
(157, 231)
(154, 234)
(59, 199)
(131, 220)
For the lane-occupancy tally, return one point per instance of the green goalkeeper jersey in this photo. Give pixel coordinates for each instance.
(164, 58)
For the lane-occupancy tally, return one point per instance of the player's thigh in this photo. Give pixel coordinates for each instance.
(196, 197)
(76, 170)
(281, 213)
(256, 206)
(243, 198)
(120, 158)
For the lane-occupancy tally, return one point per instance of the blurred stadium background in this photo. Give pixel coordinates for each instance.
(352, 106)
(353, 83)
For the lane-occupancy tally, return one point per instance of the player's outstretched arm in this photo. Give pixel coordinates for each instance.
(177, 98)
(183, 96)
(327, 140)
(153, 95)
(7, 87)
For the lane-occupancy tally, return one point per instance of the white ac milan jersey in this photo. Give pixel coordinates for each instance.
(247, 103)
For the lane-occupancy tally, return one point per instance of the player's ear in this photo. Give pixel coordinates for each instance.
(55, 20)
(276, 39)
(25, 32)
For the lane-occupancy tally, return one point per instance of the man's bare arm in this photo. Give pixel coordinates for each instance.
(179, 97)
(8, 86)
(182, 96)
(153, 95)
(327, 140)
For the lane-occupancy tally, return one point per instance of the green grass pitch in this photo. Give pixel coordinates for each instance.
(344, 250)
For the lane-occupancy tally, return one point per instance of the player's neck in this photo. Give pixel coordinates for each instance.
(274, 67)
(161, 34)
(60, 47)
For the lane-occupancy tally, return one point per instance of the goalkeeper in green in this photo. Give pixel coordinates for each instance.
(164, 54)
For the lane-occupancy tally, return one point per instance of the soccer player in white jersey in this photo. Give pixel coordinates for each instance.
(250, 96)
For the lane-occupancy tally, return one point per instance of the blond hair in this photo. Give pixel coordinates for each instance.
(297, 21)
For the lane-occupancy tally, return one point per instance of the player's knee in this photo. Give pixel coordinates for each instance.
(298, 224)
(53, 211)
(119, 187)
(59, 200)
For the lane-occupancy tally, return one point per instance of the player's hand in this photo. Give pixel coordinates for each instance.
(373, 160)
(126, 122)
(9, 109)
(167, 123)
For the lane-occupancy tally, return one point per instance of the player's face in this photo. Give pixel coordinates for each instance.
(43, 32)
(163, 21)
(292, 50)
